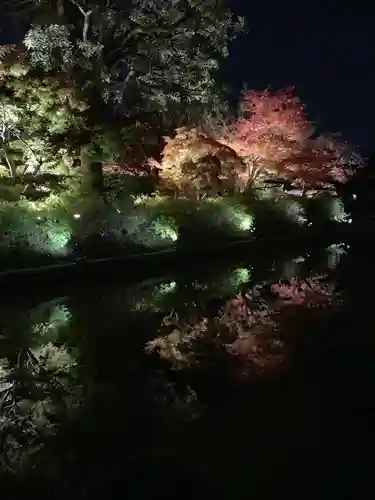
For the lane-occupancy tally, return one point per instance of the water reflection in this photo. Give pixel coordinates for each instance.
(126, 365)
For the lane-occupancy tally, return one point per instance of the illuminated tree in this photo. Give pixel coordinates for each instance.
(193, 162)
(274, 135)
(325, 160)
(266, 115)
(37, 113)
(46, 122)
(152, 63)
(269, 129)
(38, 384)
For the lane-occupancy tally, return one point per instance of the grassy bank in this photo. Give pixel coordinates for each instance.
(72, 227)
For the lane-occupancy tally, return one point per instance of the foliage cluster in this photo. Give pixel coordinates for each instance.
(76, 221)
(270, 138)
(54, 370)
(105, 100)
(249, 328)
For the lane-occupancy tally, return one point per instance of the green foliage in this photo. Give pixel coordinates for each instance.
(40, 118)
(23, 229)
(150, 231)
(147, 66)
(67, 365)
(292, 209)
(44, 226)
(187, 221)
(77, 219)
(325, 208)
(38, 391)
(172, 48)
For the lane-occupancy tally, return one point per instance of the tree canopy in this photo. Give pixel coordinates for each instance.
(142, 67)
(141, 55)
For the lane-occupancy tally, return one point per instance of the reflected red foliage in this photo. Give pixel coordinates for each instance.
(311, 292)
(250, 331)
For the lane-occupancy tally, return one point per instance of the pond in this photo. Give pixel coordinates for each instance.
(227, 377)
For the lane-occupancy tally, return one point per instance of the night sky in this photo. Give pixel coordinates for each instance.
(326, 53)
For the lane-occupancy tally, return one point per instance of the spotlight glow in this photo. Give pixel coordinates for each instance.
(246, 223)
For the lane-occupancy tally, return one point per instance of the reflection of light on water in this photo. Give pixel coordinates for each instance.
(152, 303)
(166, 288)
(239, 276)
(299, 259)
(335, 253)
(53, 357)
(199, 286)
(59, 317)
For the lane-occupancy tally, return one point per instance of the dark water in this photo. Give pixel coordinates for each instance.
(240, 379)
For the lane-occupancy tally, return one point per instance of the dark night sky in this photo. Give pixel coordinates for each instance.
(326, 52)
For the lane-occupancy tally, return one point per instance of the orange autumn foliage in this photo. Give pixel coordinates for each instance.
(192, 161)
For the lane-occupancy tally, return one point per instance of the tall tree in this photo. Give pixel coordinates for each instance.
(148, 64)
(274, 135)
(44, 118)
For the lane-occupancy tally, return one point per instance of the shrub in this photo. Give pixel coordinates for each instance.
(23, 229)
(293, 210)
(142, 226)
(217, 217)
(325, 208)
(16, 222)
(274, 219)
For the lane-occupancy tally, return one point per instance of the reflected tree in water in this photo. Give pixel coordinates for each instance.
(37, 386)
(249, 331)
(76, 383)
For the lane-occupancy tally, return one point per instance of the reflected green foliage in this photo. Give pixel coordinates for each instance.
(97, 363)
(166, 295)
(52, 321)
(39, 387)
(335, 253)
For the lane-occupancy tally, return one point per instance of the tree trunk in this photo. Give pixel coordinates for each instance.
(96, 175)
(93, 171)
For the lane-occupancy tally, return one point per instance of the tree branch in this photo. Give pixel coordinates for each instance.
(158, 30)
(86, 23)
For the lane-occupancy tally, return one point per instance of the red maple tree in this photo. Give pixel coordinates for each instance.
(265, 116)
(274, 134)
